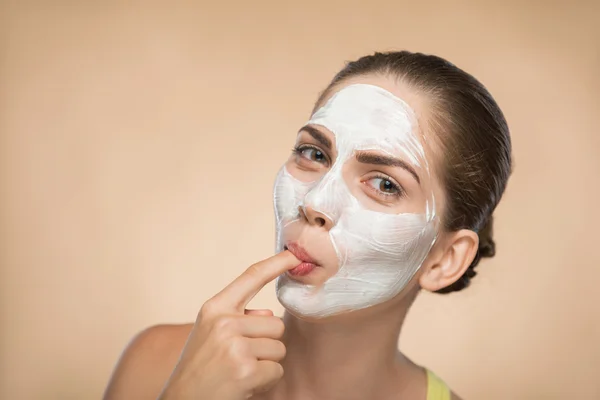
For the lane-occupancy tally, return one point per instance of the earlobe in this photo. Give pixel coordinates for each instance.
(453, 259)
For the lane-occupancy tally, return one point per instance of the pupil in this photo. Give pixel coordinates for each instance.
(387, 186)
(318, 155)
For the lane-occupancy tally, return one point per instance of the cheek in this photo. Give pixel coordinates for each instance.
(385, 243)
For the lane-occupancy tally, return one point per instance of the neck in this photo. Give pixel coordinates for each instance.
(353, 356)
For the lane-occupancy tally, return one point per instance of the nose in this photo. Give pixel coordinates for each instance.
(316, 218)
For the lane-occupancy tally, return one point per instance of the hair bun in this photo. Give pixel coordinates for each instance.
(487, 246)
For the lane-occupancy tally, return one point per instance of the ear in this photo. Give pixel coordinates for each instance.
(451, 260)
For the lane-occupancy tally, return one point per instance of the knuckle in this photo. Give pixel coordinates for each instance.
(277, 350)
(245, 370)
(253, 270)
(224, 325)
(278, 327)
(277, 371)
(237, 348)
(208, 309)
(281, 349)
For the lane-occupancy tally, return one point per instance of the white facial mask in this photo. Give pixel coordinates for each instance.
(378, 253)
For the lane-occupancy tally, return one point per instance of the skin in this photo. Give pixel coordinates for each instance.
(234, 353)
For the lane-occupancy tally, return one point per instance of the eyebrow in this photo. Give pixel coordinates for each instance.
(318, 136)
(376, 159)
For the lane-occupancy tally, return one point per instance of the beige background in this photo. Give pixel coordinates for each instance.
(139, 146)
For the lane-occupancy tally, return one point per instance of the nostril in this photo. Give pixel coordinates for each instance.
(320, 221)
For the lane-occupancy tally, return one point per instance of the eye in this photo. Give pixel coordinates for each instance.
(311, 153)
(384, 186)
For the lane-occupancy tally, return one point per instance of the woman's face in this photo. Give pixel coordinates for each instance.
(355, 201)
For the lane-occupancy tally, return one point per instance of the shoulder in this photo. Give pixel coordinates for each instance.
(147, 362)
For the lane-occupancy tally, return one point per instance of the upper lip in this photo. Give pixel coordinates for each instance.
(299, 252)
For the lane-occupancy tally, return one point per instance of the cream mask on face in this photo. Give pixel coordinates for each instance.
(378, 253)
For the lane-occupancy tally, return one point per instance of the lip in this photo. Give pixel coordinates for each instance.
(299, 252)
(307, 264)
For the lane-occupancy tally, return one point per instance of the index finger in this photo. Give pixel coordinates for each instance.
(239, 292)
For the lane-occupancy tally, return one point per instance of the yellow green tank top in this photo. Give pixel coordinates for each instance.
(436, 388)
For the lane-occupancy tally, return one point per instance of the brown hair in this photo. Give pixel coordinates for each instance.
(473, 136)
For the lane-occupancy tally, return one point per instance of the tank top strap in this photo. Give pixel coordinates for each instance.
(436, 388)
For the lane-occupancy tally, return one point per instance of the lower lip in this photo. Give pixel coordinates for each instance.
(302, 269)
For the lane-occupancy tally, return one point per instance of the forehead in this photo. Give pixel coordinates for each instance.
(365, 116)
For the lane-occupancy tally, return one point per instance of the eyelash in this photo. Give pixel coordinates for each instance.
(400, 193)
(399, 190)
(302, 147)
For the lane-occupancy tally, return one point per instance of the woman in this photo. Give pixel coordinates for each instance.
(389, 190)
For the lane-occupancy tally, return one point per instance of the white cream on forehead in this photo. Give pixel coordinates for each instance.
(378, 253)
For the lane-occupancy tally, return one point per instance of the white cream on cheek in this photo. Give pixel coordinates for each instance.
(378, 253)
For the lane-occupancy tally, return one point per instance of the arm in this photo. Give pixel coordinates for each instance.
(147, 363)
(231, 353)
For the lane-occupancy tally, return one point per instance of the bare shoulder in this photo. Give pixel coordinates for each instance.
(147, 362)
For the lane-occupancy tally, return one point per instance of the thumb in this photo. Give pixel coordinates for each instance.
(265, 313)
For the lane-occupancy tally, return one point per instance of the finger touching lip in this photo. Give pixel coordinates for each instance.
(238, 293)
(300, 253)
(307, 262)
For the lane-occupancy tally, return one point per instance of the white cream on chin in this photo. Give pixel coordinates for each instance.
(378, 253)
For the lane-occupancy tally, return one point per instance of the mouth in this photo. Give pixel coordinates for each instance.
(307, 263)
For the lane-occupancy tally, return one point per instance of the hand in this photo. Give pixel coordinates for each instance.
(232, 353)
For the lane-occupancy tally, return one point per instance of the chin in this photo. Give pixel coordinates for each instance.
(316, 304)
(341, 316)
(309, 302)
